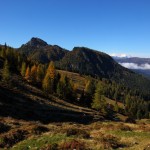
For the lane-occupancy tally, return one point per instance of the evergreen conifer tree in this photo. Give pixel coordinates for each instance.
(47, 84)
(40, 73)
(99, 101)
(6, 71)
(23, 69)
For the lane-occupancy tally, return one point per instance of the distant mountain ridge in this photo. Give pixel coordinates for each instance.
(84, 61)
(135, 60)
(139, 65)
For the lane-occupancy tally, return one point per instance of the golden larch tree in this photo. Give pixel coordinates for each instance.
(48, 82)
(27, 75)
(51, 70)
(33, 73)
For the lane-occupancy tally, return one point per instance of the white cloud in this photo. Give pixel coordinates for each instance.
(136, 66)
(119, 55)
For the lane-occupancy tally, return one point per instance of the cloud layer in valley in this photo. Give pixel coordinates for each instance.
(136, 66)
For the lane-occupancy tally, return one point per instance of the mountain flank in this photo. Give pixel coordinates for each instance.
(84, 61)
(21, 100)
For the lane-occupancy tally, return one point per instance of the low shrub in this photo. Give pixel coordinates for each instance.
(97, 125)
(39, 129)
(123, 127)
(73, 145)
(110, 141)
(144, 128)
(130, 120)
(77, 132)
(8, 140)
(50, 147)
(4, 128)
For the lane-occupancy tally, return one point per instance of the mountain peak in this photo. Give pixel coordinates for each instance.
(36, 42)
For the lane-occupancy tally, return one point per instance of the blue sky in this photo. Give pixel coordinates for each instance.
(111, 26)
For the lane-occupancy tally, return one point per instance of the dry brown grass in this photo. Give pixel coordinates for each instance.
(112, 102)
(50, 147)
(123, 127)
(73, 145)
(78, 132)
(110, 142)
(76, 78)
(98, 135)
(4, 127)
(9, 139)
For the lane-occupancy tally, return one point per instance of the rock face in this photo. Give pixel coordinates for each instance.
(36, 42)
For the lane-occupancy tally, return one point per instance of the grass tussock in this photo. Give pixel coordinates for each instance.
(73, 145)
(53, 146)
(111, 142)
(9, 139)
(4, 127)
(77, 132)
(144, 128)
(123, 127)
(38, 129)
(147, 147)
(130, 120)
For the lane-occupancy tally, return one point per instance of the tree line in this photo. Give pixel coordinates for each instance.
(95, 94)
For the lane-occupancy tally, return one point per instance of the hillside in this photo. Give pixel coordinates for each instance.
(84, 61)
(101, 65)
(29, 120)
(21, 100)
